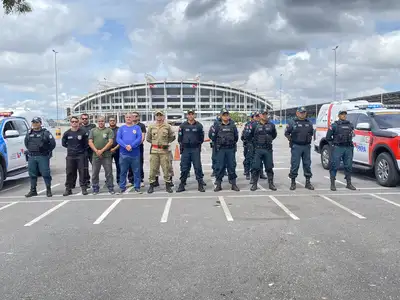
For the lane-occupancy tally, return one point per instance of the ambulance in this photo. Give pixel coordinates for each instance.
(376, 141)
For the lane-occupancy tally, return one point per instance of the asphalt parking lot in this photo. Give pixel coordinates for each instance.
(228, 245)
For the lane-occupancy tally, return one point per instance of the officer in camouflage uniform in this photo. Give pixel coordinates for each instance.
(299, 132)
(340, 135)
(160, 135)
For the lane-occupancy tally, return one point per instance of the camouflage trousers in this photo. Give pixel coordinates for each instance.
(171, 167)
(165, 161)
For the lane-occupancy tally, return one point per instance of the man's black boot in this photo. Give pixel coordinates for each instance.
(309, 185)
(333, 186)
(293, 184)
(156, 183)
(181, 187)
(168, 187)
(200, 187)
(218, 186)
(254, 181)
(271, 184)
(31, 193)
(349, 185)
(67, 192)
(48, 191)
(84, 190)
(151, 188)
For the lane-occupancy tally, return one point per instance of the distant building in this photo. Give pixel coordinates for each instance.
(173, 97)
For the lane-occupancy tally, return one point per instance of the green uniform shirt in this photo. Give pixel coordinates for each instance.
(100, 139)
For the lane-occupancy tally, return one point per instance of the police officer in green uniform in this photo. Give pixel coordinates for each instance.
(39, 144)
(299, 132)
(340, 135)
(262, 134)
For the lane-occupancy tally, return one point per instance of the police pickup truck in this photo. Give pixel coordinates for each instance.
(12, 148)
(376, 137)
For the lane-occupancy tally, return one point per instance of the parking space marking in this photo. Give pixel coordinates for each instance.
(386, 200)
(11, 188)
(284, 208)
(343, 207)
(8, 205)
(46, 213)
(225, 208)
(338, 181)
(107, 211)
(53, 186)
(261, 187)
(128, 190)
(164, 217)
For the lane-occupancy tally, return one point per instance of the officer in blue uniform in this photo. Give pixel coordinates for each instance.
(299, 132)
(39, 144)
(247, 148)
(225, 137)
(190, 139)
(213, 161)
(262, 134)
(340, 135)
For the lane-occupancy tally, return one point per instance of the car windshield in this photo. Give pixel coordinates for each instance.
(387, 120)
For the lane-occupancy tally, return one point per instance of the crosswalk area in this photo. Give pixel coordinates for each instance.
(159, 208)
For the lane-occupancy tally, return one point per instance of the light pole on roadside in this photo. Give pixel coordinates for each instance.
(56, 77)
(334, 76)
(280, 100)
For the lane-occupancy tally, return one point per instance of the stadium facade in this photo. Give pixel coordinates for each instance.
(173, 97)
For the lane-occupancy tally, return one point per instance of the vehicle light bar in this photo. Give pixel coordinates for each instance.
(6, 114)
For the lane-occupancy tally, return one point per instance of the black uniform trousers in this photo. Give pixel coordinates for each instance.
(263, 156)
(225, 158)
(76, 164)
(189, 156)
(300, 153)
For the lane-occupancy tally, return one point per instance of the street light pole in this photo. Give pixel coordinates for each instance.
(334, 76)
(55, 71)
(280, 100)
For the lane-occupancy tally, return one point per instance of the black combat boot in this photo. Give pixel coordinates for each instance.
(333, 186)
(84, 190)
(151, 188)
(156, 183)
(234, 186)
(32, 193)
(218, 186)
(202, 182)
(308, 184)
(254, 181)
(168, 187)
(68, 192)
(271, 184)
(293, 184)
(247, 176)
(48, 191)
(349, 185)
(181, 187)
(200, 187)
(172, 182)
(263, 176)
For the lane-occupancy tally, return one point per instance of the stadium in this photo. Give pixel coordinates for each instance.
(173, 97)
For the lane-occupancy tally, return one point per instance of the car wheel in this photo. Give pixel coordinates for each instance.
(325, 156)
(385, 170)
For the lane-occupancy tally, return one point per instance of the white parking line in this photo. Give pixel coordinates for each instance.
(343, 207)
(386, 200)
(10, 188)
(261, 187)
(8, 205)
(338, 181)
(284, 208)
(53, 186)
(46, 213)
(165, 214)
(225, 208)
(107, 211)
(128, 190)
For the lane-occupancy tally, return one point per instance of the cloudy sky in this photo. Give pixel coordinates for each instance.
(248, 42)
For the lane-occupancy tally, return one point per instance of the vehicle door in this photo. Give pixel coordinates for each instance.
(12, 144)
(22, 128)
(361, 140)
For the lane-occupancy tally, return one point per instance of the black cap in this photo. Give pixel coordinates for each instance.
(301, 109)
(224, 111)
(36, 120)
(191, 111)
(342, 111)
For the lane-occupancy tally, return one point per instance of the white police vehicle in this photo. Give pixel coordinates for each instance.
(376, 137)
(12, 148)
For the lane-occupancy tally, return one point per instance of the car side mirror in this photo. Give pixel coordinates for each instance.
(363, 126)
(11, 134)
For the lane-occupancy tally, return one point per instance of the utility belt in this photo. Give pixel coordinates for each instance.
(266, 146)
(38, 154)
(301, 143)
(347, 144)
(226, 146)
(166, 147)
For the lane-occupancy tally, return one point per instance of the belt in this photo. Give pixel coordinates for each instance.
(160, 147)
(37, 154)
